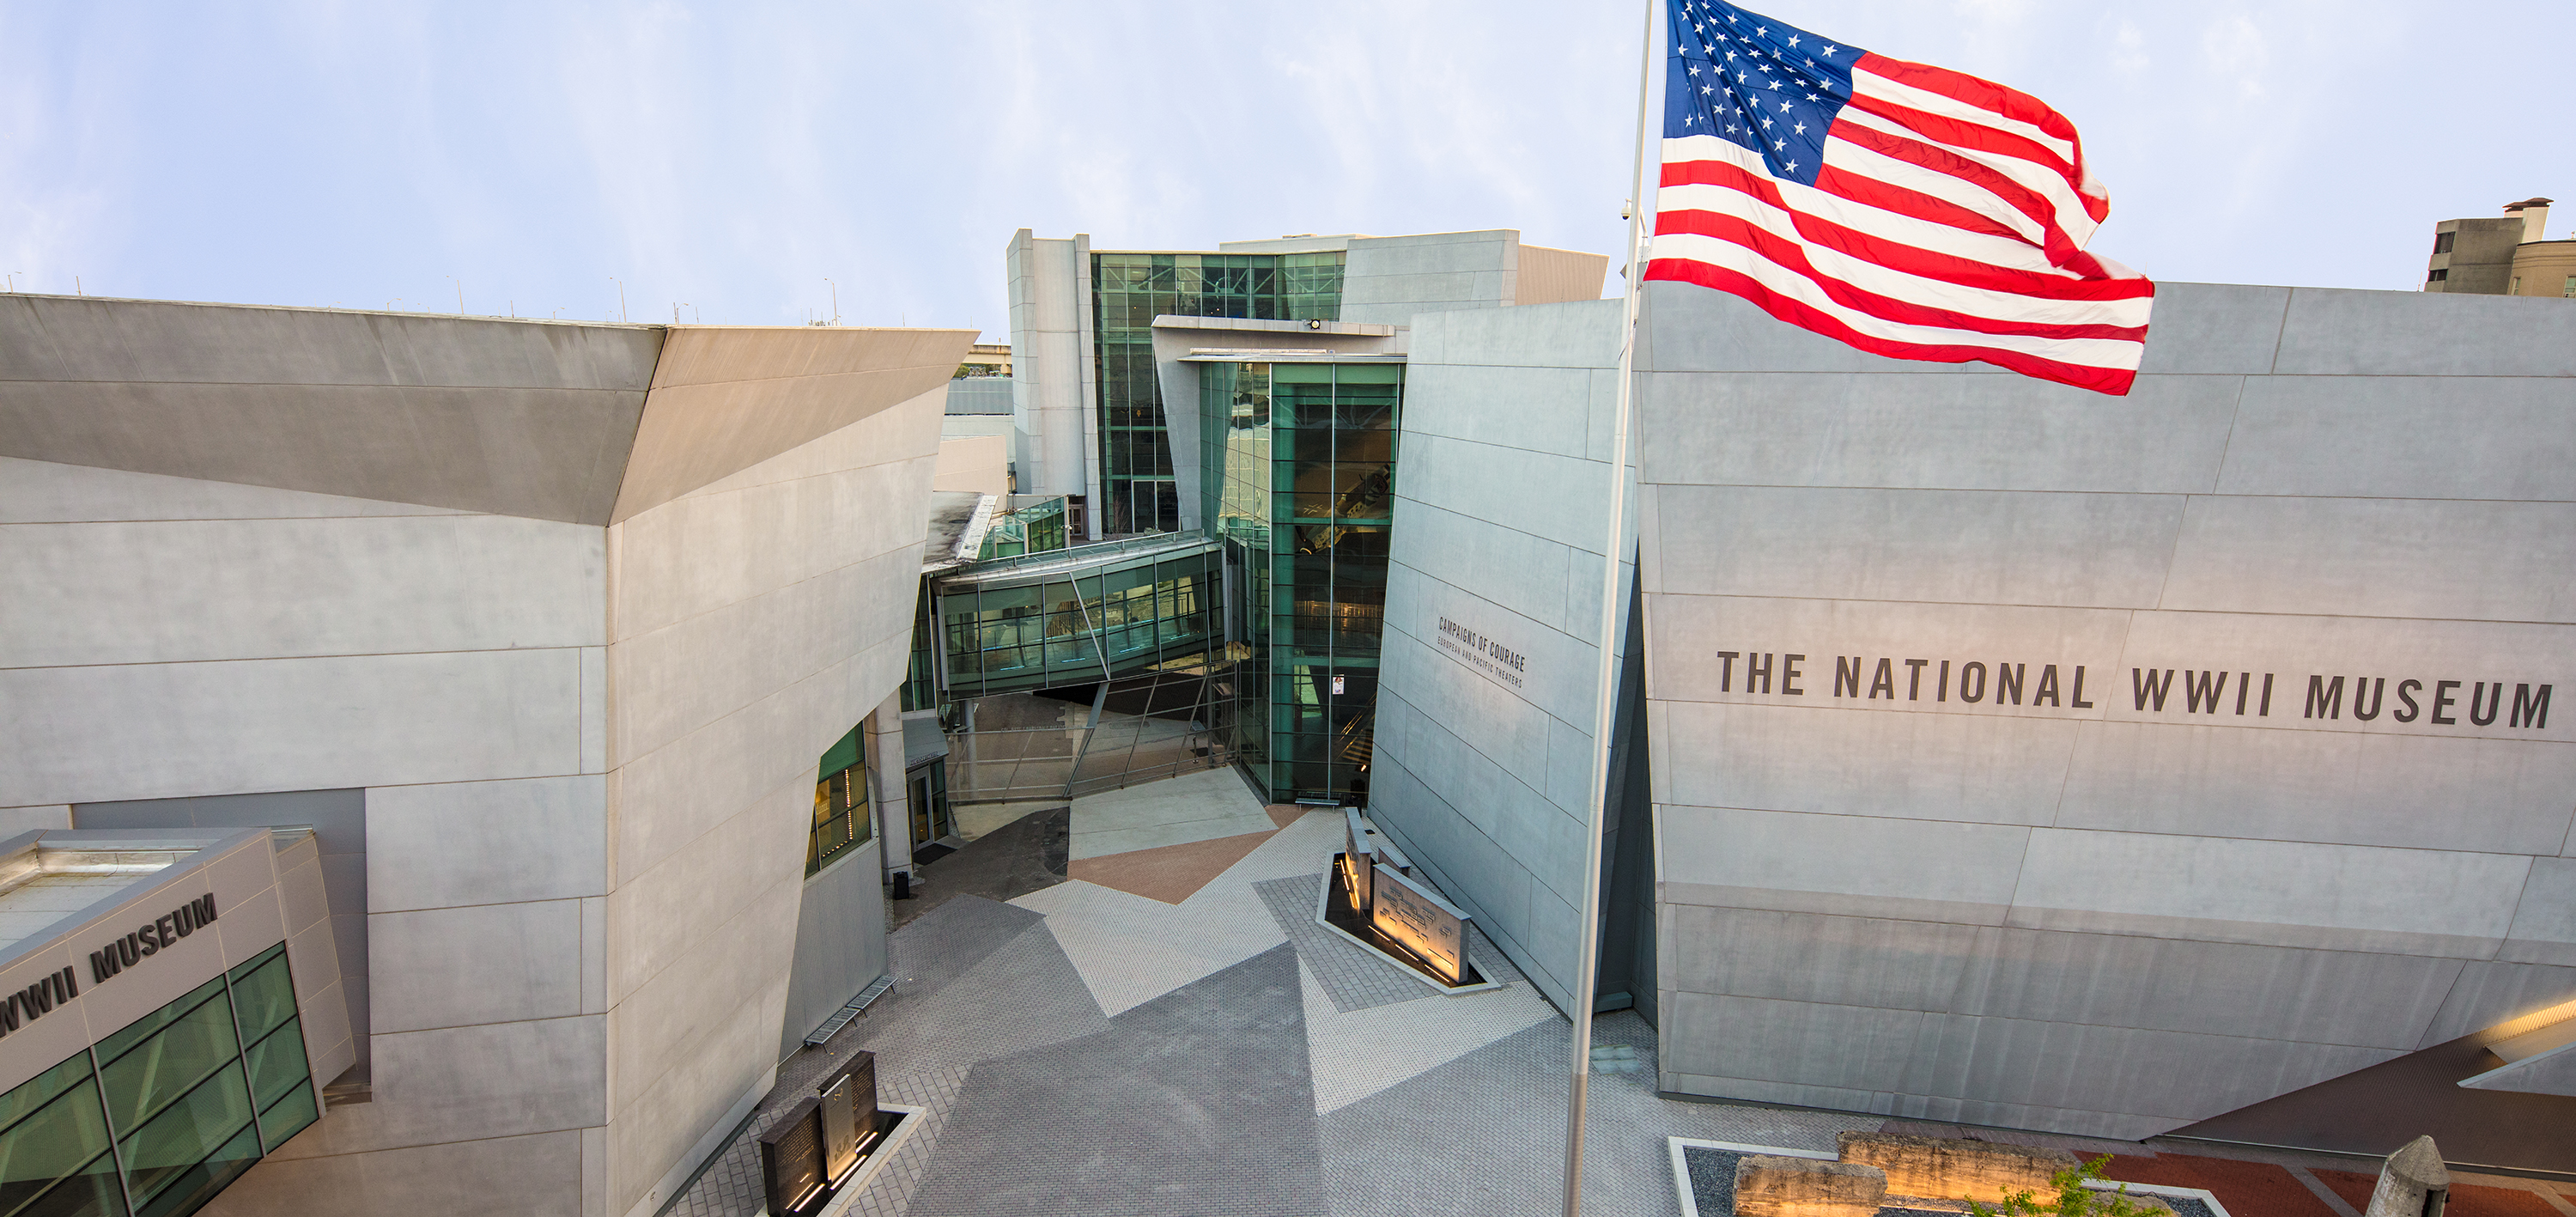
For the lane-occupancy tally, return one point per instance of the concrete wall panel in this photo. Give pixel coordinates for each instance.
(1924, 430)
(2367, 437)
(2488, 993)
(2503, 796)
(2071, 550)
(457, 967)
(2302, 894)
(163, 730)
(468, 843)
(266, 589)
(44, 492)
(1863, 866)
(471, 1083)
(2215, 328)
(2377, 558)
(1452, 549)
(1870, 763)
(2334, 332)
(2544, 922)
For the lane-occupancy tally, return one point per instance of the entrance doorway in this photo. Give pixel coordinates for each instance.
(929, 800)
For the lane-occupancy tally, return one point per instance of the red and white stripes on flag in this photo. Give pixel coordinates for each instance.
(1943, 218)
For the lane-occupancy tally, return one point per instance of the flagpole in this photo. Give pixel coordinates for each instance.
(1606, 681)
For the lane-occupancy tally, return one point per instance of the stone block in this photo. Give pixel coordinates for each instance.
(1954, 1169)
(1766, 1186)
(2410, 1181)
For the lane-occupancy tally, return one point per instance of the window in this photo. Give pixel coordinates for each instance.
(188, 1095)
(2516, 289)
(840, 802)
(2442, 242)
(2570, 291)
(2437, 276)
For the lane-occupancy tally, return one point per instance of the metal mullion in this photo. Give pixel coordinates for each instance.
(115, 1143)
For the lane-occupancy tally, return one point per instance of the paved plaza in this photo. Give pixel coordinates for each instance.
(1168, 1032)
(1084, 1049)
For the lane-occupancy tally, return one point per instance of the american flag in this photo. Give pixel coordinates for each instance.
(1906, 210)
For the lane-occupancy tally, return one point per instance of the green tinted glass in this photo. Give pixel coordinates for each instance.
(185, 1190)
(55, 1142)
(35, 1092)
(90, 1192)
(157, 1071)
(142, 1028)
(265, 997)
(277, 1063)
(288, 1116)
(186, 1133)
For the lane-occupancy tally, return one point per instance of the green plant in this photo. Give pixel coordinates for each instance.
(2074, 1199)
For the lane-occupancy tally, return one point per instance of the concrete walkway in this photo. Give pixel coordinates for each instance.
(1194, 807)
(1089, 1050)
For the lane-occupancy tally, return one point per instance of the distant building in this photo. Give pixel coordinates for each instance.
(2508, 256)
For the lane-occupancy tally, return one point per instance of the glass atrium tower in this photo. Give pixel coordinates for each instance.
(1300, 456)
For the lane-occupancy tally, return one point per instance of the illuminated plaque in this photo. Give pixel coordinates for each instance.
(791, 1159)
(1359, 859)
(1416, 918)
(849, 1112)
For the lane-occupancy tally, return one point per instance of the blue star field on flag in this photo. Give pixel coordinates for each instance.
(1771, 87)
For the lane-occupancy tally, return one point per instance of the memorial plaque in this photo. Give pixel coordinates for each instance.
(791, 1159)
(1414, 917)
(849, 1114)
(1359, 859)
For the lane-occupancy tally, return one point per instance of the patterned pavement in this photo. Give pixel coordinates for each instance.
(1083, 1050)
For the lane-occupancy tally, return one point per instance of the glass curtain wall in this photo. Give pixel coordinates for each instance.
(1128, 291)
(1076, 629)
(154, 1120)
(1033, 529)
(1304, 506)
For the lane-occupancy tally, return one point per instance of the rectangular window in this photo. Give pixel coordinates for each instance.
(2442, 242)
(841, 819)
(2570, 291)
(2437, 276)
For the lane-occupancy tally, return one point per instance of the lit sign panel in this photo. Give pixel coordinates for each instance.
(1429, 928)
(1359, 859)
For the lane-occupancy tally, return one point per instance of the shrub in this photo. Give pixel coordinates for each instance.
(2074, 1199)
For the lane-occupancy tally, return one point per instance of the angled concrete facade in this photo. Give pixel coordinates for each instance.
(1938, 899)
(1482, 770)
(1898, 867)
(576, 647)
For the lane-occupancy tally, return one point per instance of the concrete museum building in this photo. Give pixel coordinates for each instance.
(413, 731)
(2012, 755)
(1990, 751)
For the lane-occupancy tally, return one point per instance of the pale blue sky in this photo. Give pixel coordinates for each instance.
(735, 156)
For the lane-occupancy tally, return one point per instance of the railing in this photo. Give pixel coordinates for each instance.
(1078, 556)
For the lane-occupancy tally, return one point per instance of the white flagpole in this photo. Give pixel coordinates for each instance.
(1606, 682)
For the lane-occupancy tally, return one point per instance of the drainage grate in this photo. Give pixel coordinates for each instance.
(842, 1017)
